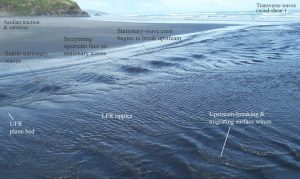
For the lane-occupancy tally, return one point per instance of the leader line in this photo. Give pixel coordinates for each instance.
(10, 116)
(225, 142)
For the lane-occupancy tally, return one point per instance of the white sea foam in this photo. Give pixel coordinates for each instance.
(225, 17)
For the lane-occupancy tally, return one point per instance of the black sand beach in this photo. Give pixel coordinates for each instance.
(49, 34)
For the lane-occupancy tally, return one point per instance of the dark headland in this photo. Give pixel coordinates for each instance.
(64, 8)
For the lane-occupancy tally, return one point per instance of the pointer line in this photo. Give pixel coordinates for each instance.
(225, 142)
(10, 116)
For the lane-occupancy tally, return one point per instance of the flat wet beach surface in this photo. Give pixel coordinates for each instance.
(49, 33)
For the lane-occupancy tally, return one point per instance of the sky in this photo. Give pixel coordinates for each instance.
(173, 6)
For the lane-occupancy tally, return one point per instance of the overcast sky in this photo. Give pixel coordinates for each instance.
(173, 6)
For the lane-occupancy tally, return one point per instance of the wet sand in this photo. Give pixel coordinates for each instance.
(48, 35)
